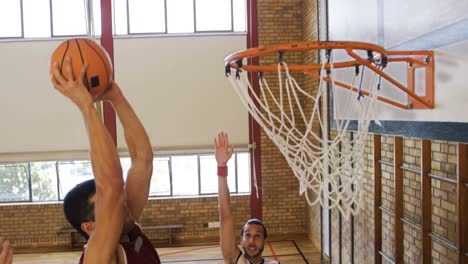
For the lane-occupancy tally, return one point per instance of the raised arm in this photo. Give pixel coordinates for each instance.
(139, 147)
(6, 253)
(223, 153)
(109, 199)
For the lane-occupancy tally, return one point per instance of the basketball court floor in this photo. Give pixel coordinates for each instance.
(286, 251)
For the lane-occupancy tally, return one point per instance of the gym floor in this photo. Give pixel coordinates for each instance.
(286, 251)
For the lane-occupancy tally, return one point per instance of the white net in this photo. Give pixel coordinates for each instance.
(330, 170)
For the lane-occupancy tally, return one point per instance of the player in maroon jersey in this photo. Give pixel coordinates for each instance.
(106, 210)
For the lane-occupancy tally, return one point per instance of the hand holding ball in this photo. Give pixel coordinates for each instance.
(99, 73)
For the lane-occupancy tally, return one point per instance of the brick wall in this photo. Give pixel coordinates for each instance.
(444, 209)
(283, 208)
(310, 33)
(34, 225)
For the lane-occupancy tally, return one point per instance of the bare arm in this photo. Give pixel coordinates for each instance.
(6, 253)
(139, 147)
(229, 248)
(109, 201)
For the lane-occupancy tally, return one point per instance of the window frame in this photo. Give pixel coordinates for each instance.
(128, 34)
(58, 187)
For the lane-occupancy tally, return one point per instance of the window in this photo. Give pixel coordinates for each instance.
(58, 18)
(10, 19)
(70, 173)
(14, 183)
(180, 16)
(207, 20)
(147, 16)
(173, 176)
(36, 15)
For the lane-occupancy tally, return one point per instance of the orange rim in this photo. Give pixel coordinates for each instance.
(421, 58)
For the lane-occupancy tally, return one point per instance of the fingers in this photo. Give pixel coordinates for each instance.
(58, 78)
(222, 140)
(6, 254)
(68, 68)
(226, 140)
(82, 74)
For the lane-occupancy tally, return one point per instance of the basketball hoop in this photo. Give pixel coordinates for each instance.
(330, 170)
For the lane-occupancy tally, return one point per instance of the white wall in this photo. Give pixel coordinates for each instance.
(176, 85)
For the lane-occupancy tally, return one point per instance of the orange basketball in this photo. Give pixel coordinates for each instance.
(99, 73)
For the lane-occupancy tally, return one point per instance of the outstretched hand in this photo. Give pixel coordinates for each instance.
(222, 150)
(6, 253)
(70, 87)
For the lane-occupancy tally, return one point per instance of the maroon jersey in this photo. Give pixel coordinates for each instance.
(137, 247)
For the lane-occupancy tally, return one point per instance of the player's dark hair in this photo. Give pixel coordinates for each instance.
(77, 207)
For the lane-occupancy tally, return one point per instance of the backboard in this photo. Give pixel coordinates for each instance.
(440, 26)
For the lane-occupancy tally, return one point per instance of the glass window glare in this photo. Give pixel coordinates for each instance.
(213, 15)
(57, 18)
(69, 18)
(185, 175)
(180, 16)
(10, 19)
(71, 173)
(161, 180)
(173, 176)
(147, 16)
(36, 18)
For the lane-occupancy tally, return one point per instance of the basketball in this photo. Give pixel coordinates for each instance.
(99, 73)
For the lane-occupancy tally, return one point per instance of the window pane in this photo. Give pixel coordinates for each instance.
(44, 181)
(120, 17)
(68, 17)
(36, 18)
(14, 182)
(180, 16)
(97, 17)
(185, 175)
(213, 15)
(10, 18)
(209, 174)
(232, 175)
(160, 182)
(147, 16)
(239, 15)
(71, 173)
(125, 163)
(243, 172)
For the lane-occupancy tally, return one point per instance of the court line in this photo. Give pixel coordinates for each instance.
(190, 260)
(214, 259)
(274, 255)
(187, 250)
(272, 250)
(300, 252)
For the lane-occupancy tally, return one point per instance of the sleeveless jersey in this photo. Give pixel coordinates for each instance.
(137, 248)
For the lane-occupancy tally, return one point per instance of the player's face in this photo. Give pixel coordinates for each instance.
(253, 240)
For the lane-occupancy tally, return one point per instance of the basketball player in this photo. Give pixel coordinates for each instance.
(253, 233)
(6, 253)
(106, 210)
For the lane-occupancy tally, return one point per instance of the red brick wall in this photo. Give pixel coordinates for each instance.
(35, 225)
(283, 208)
